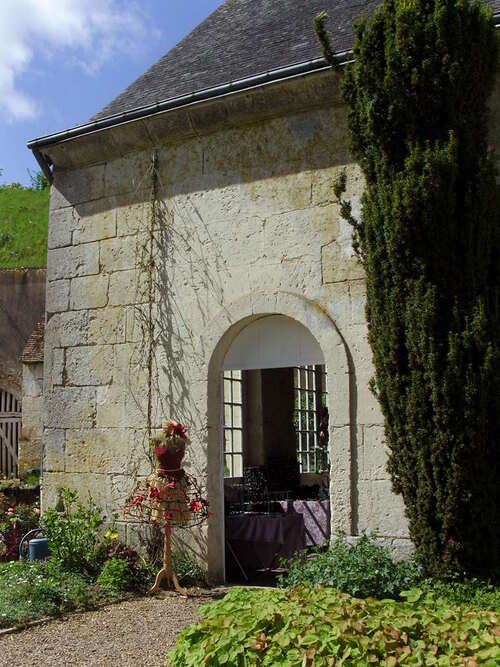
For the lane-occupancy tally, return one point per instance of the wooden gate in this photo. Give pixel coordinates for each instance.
(10, 428)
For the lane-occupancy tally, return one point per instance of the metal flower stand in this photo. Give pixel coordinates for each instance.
(173, 501)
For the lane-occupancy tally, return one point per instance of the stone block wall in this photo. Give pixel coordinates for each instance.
(22, 302)
(247, 225)
(31, 436)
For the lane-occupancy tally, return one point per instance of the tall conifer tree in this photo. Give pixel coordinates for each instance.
(429, 239)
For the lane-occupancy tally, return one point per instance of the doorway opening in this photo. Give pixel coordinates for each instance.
(275, 446)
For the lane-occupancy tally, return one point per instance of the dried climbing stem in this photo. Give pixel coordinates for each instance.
(151, 267)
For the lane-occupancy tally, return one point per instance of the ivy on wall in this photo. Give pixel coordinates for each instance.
(429, 239)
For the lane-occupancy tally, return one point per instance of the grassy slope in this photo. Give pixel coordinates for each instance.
(24, 215)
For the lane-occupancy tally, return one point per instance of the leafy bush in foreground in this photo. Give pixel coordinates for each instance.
(313, 627)
(364, 569)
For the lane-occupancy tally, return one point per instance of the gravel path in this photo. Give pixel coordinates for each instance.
(128, 634)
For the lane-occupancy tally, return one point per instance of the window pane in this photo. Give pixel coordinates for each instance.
(227, 391)
(236, 392)
(227, 415)
(237, 441)
(312, 425)
(238, 466)
(237, 416)
(227, 468)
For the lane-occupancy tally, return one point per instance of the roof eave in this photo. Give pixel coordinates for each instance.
(231, 88)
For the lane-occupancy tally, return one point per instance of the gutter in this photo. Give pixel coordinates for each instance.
(213, 93)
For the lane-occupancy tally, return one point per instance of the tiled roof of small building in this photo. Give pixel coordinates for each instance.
(33, 350)
(243, 38)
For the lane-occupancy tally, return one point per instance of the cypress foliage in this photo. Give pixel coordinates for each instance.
(429, 239)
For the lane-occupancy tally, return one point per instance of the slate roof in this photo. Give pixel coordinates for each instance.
(33, 350)
(241, 38)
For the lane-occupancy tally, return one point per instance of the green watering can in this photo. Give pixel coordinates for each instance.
(38, 547)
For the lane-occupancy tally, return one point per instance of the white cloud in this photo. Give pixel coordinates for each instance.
(86, 33)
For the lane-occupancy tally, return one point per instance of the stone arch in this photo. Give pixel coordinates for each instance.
(218, 337)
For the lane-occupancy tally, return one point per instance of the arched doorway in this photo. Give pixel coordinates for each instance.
(275, 447)
(284, 331)
(10, 427)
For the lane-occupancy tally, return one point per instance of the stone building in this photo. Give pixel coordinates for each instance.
(22, 303)
(198, 263)
(32, 400)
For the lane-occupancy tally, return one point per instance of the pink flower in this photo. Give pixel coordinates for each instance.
(10, 510)
(36, 510)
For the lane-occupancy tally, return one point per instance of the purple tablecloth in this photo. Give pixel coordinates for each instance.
(260, 540)
(316, 514)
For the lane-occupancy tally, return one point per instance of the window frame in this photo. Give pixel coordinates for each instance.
(233, 460)
(310, 386)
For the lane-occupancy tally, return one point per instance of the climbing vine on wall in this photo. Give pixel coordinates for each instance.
(150, 324)
(429, 239)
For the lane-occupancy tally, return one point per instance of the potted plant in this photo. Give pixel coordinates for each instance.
(169, 447)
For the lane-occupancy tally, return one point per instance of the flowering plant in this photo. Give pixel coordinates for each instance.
(15, 521)
(172, 436)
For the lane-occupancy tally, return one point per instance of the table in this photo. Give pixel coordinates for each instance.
(316, 514)
(259, 540)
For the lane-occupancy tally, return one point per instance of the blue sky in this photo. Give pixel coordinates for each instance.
(62, 60)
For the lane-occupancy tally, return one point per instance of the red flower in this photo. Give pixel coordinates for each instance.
(154, 492)
(179, 429)
(175, 427)
(138, 500)
(195, 505)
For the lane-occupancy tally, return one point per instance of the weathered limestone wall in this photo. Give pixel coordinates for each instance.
(248, 226)
(22, 302)
(31, 438)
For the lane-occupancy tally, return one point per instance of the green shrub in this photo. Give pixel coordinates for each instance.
(116, 576)
(429, 239)
(33, 590)
(188, 569)
(474, 593)
(364, 569)
(320, 627)
(74, 534)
